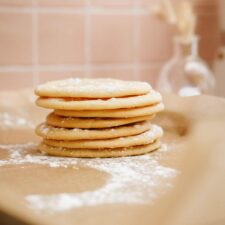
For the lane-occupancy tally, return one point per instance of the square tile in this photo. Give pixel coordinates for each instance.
(112, 3)
(122, 74)
(205, 3)
(15, 2)
(15, 38)
(209, 39)
(206, 7)
(150, 74)
(148, 3)
(206, 21)
(58, 75)
(155, 39)
(208, 47)
(61, 3)
(10, 81)
(112, 38)
(61, 39)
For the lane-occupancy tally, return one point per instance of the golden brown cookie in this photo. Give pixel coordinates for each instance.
(113, 113)
(50, 132)
(92, 88)
(98, 104)
(144, 138)
(71, 122)
(99, 153)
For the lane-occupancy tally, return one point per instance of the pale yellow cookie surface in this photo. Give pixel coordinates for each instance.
(113, 113)
(92, 88)
(50, 132)
(71, 122)
(99, 104)
(140, 139)
(98, 153)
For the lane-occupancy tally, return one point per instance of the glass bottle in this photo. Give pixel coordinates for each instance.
(186, 74)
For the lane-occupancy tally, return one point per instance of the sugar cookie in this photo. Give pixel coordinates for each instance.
(92, 88)
(50, 132)
(71, 122)
(113, 113)
(98, 104)
(140, 139)
(99, 153)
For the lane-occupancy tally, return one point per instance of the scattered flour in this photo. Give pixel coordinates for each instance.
(44, 129)
(132, 180)
(21, 154)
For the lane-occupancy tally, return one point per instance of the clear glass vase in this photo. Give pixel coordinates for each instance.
(186, 74)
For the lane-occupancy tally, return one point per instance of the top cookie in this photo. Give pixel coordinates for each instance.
(92, 88)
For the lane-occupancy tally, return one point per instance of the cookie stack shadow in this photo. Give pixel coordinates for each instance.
(98, 118)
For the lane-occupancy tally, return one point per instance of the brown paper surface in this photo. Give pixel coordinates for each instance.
(182, 183)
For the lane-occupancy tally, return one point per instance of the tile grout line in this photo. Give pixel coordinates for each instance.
(136, 39)
(57, 68)
(93, 10)
(74, 10)
(87, 38)
(35, 63)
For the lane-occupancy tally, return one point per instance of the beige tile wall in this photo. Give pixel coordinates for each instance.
(51, 39)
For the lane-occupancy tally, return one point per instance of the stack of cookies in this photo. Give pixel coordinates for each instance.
(98, 118)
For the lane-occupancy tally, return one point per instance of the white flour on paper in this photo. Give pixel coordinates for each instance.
(132, 180)
(20, 154)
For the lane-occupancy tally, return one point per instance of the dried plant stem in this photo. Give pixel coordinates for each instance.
(182, 16)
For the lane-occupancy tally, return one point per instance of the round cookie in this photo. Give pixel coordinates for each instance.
(99, 153)
(50, 132)
(141, 139)
(113, 113)
(98, 104)
(92, 88)
(71, 122)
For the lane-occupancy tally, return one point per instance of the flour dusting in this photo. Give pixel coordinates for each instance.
(132, 180)
(24, 153)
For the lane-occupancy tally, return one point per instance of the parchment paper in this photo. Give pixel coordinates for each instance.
(182, 183)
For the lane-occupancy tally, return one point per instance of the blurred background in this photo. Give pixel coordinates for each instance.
(42, 40)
